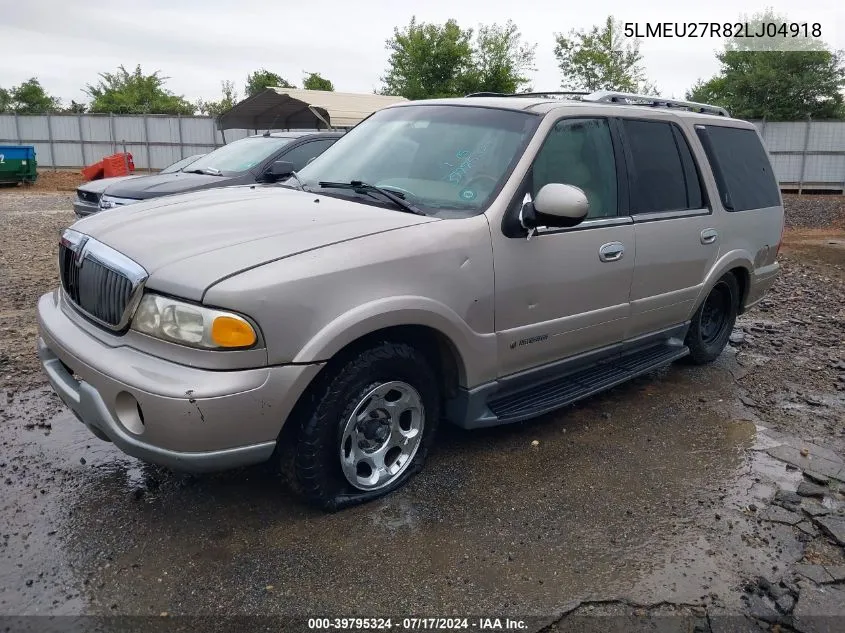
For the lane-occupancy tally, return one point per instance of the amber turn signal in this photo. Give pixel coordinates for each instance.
(230, 331)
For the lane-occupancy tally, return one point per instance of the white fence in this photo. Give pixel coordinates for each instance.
(73, 140)
(807, 155)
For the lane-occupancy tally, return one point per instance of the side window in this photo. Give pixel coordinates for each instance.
(741, 167)
(301, 154)
(661, 173)
(695, 195)
(579, 152)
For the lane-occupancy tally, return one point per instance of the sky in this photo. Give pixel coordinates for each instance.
(197, 44)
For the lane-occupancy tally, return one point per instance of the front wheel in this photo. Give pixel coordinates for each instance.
(713, 322)
(371, 427)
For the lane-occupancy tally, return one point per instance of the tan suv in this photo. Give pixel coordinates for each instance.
(481, 260)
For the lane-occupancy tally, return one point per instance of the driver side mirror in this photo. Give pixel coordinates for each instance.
(556, 205)
(278, 170)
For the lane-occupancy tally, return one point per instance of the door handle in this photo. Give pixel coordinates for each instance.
(708, 236)
(611, 252)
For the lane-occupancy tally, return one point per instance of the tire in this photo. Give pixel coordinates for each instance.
(713, 322)
(393, 393)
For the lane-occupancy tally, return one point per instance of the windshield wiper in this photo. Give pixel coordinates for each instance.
(208, 171)
(362, 187)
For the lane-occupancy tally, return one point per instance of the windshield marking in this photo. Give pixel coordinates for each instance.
(457, 174)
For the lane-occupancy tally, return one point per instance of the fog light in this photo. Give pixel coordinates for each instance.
(129, 412)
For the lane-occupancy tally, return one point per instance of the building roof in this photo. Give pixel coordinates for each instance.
(288, 108)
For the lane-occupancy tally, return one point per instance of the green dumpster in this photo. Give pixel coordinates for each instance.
(17, 164)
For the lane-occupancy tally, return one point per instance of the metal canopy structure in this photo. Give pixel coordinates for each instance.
(288, 108)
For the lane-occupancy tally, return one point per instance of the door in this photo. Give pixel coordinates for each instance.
(300, 155)
(565, 291)
(674, 230)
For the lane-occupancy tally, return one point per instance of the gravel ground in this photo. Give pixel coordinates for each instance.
(30, 224)
(792, 346)
(814, 212)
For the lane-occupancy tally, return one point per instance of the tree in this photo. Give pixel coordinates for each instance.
(445, 60)
(76, 108)
(315, 82)
(601, 59)
(427, 60)
(758, 78)
(28, 98)
(262, 79)
(499, 60)
(216, 108)
(123, 92)
(5, 101)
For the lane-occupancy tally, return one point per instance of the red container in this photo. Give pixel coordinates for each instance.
(93, 172)
(120, 164)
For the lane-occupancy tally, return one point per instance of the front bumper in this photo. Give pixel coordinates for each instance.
(182, 417)
(83, 208)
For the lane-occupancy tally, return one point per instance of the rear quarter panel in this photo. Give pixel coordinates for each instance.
(747, 239)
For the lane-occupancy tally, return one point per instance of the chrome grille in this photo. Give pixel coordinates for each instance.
(102, 283)
(88, 196)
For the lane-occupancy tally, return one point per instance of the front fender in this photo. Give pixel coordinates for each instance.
(476, 351)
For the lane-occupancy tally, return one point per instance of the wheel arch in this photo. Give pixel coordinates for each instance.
(431, 324)
(737, 262)
(440, 351)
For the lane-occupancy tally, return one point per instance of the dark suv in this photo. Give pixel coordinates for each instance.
(256, 159)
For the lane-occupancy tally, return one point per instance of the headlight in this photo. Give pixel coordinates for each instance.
(192, 325)
(110, 202)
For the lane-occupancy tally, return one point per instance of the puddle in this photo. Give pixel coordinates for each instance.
(747, 539)
(618, 495)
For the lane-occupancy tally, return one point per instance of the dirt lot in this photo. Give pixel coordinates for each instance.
(712, 495)
(49, 180)
(60, 180)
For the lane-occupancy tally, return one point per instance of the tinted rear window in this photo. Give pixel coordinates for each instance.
(662, 176)
(741, 167)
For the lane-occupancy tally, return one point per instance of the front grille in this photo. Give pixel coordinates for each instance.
(88, 196)
(98, 290)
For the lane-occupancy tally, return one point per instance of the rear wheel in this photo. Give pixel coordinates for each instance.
(370, 429)
(713, 322)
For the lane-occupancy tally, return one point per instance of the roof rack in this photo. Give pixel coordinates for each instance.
(604, 96)
(527, 94)
(626, 98)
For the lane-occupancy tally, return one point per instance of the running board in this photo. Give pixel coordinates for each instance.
(548, 396)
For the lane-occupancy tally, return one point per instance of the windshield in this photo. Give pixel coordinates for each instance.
(437, 156)
(238, 156)
(179, 165)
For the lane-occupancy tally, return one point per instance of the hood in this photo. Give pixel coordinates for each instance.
(188, 242)
(165, 184)
(98, 186)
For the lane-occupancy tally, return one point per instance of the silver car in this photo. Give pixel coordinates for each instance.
(480, 260)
